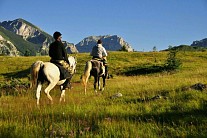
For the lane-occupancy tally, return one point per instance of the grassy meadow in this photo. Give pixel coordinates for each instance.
(155, 103)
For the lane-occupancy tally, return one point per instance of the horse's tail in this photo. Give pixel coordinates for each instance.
(35, 68)
(86, 74)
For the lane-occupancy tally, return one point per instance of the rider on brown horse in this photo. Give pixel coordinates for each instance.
(99, 53)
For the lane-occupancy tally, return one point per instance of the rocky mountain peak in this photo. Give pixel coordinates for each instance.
(27, 38)
(7, 48)
(110, 42)
(33, 34)
(27, 30)
(202, 43)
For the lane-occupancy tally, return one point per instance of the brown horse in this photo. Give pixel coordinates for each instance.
(93, 68)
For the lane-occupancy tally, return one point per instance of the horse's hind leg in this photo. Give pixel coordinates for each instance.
(94, 84)
(62, 97)
(39, 87)
(99, 84)
(104, 82)
(48, 89)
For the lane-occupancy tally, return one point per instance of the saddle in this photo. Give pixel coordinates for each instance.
(64, 74)
(96, 61)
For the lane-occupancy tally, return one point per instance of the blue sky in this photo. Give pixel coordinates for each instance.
(142, 23)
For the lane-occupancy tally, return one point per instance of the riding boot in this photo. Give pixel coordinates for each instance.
(66, 84)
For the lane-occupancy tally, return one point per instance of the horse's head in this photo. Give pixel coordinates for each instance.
(72, 60)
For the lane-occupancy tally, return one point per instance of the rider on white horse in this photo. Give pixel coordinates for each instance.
(99, 53)
(58, 55)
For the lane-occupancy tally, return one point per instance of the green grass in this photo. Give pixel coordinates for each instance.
(177, 113)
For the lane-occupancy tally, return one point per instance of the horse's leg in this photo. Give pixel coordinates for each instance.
(48, 89)
(85, 80)
(94, 84)
(85, 89)
(39, 87)
(99, 85)
(86, 74)
(104, 82)
(62, 97)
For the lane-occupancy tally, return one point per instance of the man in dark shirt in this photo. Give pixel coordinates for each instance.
(58, 55)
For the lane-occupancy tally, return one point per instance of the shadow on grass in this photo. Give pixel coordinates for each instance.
(143, 70)
(18, 74)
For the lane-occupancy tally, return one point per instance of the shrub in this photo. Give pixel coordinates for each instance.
(172, 62)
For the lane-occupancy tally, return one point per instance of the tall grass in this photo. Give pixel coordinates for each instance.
(154, 104)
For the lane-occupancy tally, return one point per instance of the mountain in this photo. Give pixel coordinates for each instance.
(70, 47)
(28, 37)
(7, 48)
(202, 43)
(20, 37)
(20, 44)
(110, 42)
(28, 31)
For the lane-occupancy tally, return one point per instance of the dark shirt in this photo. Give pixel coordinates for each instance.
(57, 51)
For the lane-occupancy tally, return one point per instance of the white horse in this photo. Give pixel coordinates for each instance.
(47, 71)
